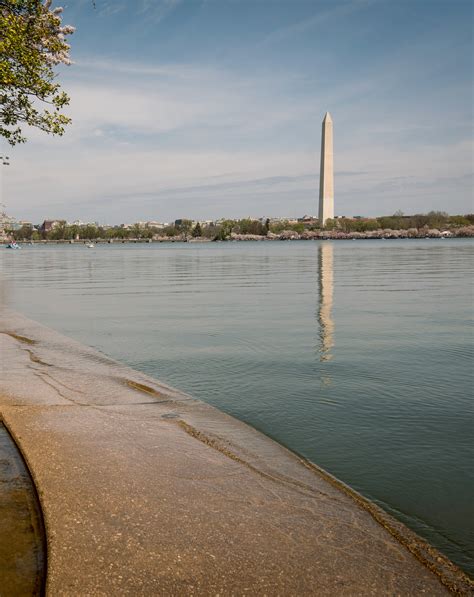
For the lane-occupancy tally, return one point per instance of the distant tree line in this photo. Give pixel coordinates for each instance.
(433, 219)
(184, 229)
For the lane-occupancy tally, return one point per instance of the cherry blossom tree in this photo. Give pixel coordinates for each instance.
(32, 44)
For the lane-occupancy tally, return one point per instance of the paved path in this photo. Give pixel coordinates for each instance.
(146, 491)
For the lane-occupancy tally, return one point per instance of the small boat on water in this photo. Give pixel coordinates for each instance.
(13, 245)
(90, 245)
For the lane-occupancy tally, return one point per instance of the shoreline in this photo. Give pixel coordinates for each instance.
(272, 521)
(285, 235)
(388, 235)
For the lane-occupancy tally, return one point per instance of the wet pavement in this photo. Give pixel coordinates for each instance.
(22, 547)
(146, 491)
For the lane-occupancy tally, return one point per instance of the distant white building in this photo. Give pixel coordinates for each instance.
(82, 224)
(7, 223)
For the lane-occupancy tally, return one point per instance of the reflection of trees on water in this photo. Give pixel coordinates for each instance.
(326, 291)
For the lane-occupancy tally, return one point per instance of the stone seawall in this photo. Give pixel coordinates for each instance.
(147, 491)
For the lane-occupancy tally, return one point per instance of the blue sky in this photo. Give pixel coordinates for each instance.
(211, 108)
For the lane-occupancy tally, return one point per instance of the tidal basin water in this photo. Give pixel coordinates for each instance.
(357, 355)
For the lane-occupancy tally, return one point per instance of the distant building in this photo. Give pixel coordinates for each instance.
(14, 226)
(49, 225)
(181, 221)
(6, 222)
(308, 219)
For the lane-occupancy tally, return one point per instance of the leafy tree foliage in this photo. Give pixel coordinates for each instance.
(184, 227)
(224, 229)
(197, 231)
(248, 226)
(362, 225)
(171, 231)
(278, 227)
(24, 233)
(32, 43)
(460, 221)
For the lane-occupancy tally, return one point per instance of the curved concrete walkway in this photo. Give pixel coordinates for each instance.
(146, 491)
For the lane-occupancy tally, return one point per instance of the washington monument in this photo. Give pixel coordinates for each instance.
(326, 173)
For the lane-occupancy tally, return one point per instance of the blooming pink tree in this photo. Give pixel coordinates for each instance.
(32, 43)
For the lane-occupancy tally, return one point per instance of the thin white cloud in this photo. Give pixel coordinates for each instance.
(188, 98)
(159, 141)
(108, 8)
(321, 18)
(176, 71)
(157, 10)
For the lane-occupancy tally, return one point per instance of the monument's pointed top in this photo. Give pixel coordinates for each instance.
(327, 117)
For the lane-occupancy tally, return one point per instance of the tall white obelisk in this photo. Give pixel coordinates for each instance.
(326, 174)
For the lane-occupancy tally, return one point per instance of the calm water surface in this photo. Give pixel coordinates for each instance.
(358, 355)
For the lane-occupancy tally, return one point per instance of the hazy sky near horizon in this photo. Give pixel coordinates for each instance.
(211, 108)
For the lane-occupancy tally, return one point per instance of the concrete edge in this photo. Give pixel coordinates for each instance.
(448, 573)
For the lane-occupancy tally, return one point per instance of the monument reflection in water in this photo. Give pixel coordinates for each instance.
(326, 293)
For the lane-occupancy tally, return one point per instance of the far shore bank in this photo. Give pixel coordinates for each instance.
(285, 235)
